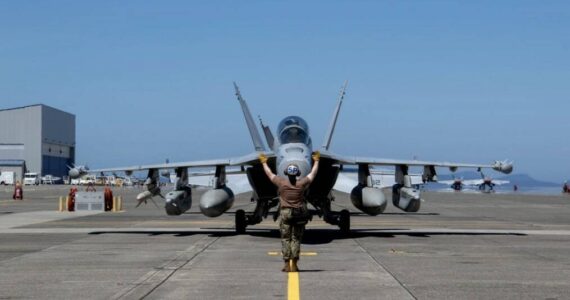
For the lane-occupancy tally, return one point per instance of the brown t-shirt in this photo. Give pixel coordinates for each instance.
(291, 196)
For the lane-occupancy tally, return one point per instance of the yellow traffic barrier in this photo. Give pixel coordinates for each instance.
(60, 204)
(117, 204)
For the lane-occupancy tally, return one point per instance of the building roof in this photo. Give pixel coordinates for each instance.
(33, 105)
(12, 162)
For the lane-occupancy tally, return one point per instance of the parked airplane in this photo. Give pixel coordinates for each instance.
(77, 171)
(50, 179)
(291, 146)
(485, 184)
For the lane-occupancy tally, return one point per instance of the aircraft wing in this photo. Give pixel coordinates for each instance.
(236, 181)
(473, 182)
(501, 182)
(447, 181)
(481, 181)
(504, 167)
(346, 181)
(249, 159)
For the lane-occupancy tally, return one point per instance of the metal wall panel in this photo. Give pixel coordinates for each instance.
(58, 127)
(23, 126)
(32, 126)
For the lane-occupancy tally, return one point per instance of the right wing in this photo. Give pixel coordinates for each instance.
(236, 181)
(249, 159)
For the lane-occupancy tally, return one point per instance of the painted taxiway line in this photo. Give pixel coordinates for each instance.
(11, 221)
(293, 291)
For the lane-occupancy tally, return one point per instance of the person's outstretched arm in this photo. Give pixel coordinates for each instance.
(316, 158)
(268, 172)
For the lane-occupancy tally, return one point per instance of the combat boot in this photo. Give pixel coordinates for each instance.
(287, 267)
(294, 267)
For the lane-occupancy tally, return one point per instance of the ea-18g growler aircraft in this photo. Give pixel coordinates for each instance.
(292, 145)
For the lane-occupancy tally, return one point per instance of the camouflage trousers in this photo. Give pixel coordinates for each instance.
(291, 236)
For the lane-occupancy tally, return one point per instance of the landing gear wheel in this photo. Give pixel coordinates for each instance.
(240, 221)
(344, 221)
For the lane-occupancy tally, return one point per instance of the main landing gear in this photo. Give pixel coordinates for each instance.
(241, 221)
(342, 219)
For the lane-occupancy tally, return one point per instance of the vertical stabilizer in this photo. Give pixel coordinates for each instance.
(255, 137)
(268, 134)
(328, 136)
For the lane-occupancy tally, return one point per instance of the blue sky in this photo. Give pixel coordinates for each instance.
(469, 81)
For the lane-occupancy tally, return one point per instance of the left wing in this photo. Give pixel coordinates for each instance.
(500, 166)
(401, 165)
(346, 181)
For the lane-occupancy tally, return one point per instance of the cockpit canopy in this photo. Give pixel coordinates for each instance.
(293, 129)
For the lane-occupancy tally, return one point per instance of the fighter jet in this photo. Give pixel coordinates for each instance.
(485, 184)
(292, 145)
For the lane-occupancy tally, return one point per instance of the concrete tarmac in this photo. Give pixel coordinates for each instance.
(459, 246)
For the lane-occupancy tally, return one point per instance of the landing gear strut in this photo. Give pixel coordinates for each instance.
(241, 222)
(344, 221)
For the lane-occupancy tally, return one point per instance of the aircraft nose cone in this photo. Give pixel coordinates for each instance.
(73, 173)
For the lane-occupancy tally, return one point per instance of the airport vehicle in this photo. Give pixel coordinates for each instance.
(31, 179)
(87, 179)
(7, 178)
(291, 146)
(50, 179)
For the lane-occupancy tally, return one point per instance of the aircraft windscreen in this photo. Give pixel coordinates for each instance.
(293, 129)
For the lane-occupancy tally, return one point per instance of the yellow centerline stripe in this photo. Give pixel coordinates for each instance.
(293, 286)
(275, 253)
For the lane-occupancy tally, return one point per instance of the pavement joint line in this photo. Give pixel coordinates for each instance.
(381, 266)
(148, 283)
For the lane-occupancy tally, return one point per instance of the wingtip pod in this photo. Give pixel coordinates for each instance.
(505, 166)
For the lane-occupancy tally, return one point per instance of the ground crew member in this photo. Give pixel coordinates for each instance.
(18, 191)
(291, 204)
(108, 196)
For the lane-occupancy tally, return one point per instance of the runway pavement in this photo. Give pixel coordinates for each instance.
(459, 246)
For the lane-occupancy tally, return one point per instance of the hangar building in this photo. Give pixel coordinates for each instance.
(40, 137)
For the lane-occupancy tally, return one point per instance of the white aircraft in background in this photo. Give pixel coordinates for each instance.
(292, 146)
(485, 184)
(50, 179)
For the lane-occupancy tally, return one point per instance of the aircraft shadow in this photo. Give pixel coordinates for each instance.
(316, 236)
